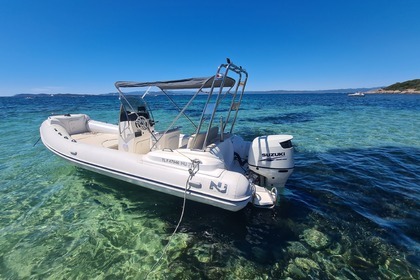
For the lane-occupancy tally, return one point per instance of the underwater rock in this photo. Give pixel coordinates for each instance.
(176, 270)
(300, 268)
(296, 248)
(205, 253)
(348, 274)
(330, 268)
(294, 272)
(360, 263)
(315, 239)
(260, 254)
(214, 273)
(306, 264)
(178, 245)
(335, 249)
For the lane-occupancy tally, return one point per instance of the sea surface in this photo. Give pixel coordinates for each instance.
(350, 210)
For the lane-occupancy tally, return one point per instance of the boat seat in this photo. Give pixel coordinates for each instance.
(196, 141)
(168, 140)
(107, 140)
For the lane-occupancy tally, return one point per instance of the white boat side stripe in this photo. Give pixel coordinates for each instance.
(145, 179)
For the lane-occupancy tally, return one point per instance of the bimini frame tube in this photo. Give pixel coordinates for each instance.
(218, 81)
(239, 71)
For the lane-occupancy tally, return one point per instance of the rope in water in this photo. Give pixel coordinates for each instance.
(192, 171)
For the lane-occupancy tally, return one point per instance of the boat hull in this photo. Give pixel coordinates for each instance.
(169, 172)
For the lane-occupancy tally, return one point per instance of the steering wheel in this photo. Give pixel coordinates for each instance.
(142, 123)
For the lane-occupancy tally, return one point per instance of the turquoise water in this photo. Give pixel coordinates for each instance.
(351, 209)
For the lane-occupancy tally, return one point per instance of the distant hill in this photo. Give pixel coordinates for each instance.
(413, 85)
(345, 90)
(152, 93)
(31, 95)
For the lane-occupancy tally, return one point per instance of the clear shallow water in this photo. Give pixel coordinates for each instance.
(351, 209)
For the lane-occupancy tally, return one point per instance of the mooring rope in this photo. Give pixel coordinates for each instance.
(195, 166)
(37, 141)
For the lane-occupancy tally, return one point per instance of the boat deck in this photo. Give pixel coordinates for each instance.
(107, 140)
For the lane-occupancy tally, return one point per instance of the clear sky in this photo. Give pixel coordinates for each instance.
(84, 46)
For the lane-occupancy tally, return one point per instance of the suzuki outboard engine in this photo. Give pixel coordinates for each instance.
(271, 157)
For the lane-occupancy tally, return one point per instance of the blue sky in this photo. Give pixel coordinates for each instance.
(85, 46)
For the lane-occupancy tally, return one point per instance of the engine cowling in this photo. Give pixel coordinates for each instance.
(271, 157)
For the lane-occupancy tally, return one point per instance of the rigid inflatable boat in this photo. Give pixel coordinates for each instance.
(209, 165)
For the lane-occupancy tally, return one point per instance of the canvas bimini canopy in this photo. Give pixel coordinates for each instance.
(218, 111)
(191, 83)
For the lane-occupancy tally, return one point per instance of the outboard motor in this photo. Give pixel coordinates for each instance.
(271, 157)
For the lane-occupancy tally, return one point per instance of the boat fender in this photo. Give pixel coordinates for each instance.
(196, 185)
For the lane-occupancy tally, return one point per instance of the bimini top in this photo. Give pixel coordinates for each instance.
(191, 83)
